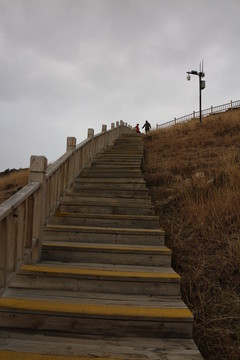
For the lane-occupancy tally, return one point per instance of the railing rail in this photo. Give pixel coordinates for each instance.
(196, 114)
(22, 217)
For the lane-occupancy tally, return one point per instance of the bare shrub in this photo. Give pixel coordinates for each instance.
(12, 182)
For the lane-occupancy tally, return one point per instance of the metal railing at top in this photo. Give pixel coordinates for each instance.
(196, 114)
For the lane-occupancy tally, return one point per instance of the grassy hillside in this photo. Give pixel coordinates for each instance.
(11, 181)
(193, 171)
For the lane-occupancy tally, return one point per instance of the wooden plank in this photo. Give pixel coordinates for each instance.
(121, 311)
(81, 297)
(95, 324)
(130, 348)
(106, 253)
(142, 275)
(107, 216)
(13, 355)
(110, 247)
(155, 232)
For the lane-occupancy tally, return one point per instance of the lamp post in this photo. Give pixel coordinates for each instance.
(202, 84)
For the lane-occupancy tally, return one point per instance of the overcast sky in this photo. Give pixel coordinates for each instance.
(70, 65)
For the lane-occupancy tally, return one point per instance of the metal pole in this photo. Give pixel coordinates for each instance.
(200, 98)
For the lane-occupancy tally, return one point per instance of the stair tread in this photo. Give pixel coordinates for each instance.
(104, 229)
(114, 247)
(144, 273)
(106, 216)
(101, 298)
(18, 346)
(76, 199)
(95, 309)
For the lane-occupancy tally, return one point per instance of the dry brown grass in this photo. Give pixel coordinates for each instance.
(12, 182)
(193, 171)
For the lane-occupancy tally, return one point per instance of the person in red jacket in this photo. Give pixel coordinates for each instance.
(137, 129)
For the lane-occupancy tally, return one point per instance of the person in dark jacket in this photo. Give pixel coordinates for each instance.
(147, 126)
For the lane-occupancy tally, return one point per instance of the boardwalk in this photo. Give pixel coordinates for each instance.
(104, 287)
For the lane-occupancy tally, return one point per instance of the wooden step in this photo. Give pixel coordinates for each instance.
(104, 235)
(18, 345)
(114, 156)
(114, 201)
(125, 193)
(94, 171)
(109, 185)
(94, 319)
(118, 161)
(105, 220)
(109, 205)
(106, 254)
(113, 166)
(123, 180)
(67, 206)
(105, 278)
(80, 297)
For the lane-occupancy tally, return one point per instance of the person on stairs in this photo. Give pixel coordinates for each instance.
(147, 126)
(137, 129)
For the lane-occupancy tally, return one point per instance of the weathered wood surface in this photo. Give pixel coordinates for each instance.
(107, 253)
(38, 347)
(105, 220)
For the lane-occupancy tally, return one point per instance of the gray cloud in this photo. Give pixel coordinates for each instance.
(67, 65)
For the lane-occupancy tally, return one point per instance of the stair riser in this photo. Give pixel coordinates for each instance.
(104, 238)
(116, 161)
(121, 151)
(112, 166)
(118, 285)
(111, 174)
(111, 210)
(84, 200)
(108, 181)
(119, 223)
(93, 325)
(134, 194)
(108, 186)
(107, 258)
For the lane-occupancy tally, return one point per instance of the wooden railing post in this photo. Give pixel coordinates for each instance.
(104, 128)
(90, 133)
(38, 168)
(71, 143)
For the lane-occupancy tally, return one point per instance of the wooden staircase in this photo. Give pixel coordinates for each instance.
(104, 288)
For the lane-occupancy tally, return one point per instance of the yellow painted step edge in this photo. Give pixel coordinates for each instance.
(16, 355)
(94, 309)
(98, 272)
(163, 249)
(104, 229)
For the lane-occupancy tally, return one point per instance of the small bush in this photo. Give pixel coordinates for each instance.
(11, 182)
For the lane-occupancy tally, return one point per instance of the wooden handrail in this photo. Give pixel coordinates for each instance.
(23, 216)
